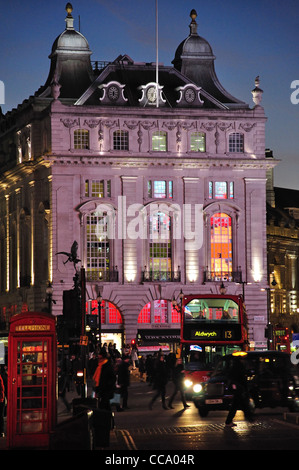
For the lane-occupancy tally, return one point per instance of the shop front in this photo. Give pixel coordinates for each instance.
(156, 338)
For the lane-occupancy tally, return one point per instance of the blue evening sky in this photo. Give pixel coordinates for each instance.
(248, 38)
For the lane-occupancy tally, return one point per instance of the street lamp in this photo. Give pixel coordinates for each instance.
(222, 289)
(175, 304)
(49, 299)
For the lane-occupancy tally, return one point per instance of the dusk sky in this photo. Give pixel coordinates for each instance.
(249, 38)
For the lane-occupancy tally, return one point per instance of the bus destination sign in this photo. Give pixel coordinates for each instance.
(210, 333)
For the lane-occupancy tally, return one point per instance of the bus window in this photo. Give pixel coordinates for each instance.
(212, 310)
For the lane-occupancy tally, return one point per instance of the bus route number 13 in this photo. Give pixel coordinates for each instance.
(228, 334)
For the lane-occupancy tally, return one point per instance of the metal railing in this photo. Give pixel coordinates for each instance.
(161, 276)
(102, 275)
(228, 276)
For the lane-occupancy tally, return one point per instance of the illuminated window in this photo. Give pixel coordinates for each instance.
(109, 313)
(160, 311)
(236, 143)
(120, 140)
(175, 314)
(145, 314)
(198, 142)
(160, 189)
(221, 246)
(114, 314)
(159, 308)
(160, 246)
(159, 141)
(81, 139)
(98, 247)
(97, 188)
(94, 309)
(211, 190)
(221, 190)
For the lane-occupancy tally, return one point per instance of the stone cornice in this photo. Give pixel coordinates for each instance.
(152, 160)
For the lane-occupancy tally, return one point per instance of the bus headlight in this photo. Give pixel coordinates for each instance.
(188, 383)
(197, 388)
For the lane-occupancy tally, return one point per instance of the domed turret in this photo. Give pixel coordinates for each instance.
(194, 46)
(194, 58)
(70, 61)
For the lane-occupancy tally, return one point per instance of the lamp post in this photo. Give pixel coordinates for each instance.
(222, 289)
(99, 299)
(49, 299)
(179, 309)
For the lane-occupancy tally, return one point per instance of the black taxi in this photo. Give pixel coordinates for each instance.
(272, 381)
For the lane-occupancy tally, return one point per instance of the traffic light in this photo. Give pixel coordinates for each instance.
(133, 342)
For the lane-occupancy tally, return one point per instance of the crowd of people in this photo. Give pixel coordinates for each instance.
(109, 371)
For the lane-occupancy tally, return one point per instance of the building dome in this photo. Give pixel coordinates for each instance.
(194, 45)
(70, 41)
(194, 58)
(70, 62)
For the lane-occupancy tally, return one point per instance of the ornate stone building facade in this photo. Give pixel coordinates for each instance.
(159, 175)
(283, 256)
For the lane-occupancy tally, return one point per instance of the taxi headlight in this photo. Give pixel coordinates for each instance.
(188, 383)
(197, 388)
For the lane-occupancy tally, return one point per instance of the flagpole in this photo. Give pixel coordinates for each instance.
(157, 72)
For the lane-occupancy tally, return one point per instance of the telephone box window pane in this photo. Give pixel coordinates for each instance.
(32, 380)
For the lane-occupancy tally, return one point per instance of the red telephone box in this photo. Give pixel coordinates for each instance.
(31, 407)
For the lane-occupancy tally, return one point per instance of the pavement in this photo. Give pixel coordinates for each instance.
(65, 418)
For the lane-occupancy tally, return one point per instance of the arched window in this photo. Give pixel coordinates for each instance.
(97, 247)
(81, 139)
(221, 247)
(236, 142)
(160, 247)
(159, 311)
(109, 312)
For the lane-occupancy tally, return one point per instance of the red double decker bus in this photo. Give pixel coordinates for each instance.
(281, 339)
(212, 326)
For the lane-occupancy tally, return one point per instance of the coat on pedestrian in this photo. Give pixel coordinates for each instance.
(160, 381)
(104, 381)
(238, 385)
(123, 380)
